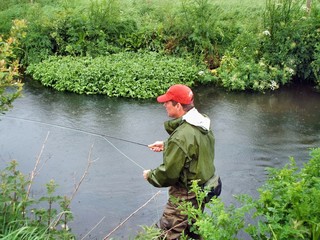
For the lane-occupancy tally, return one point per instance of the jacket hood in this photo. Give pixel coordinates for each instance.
(195, 118)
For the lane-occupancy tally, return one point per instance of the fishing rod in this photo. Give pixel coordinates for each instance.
(78, 130)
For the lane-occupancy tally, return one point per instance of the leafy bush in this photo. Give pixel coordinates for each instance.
(10, 82)
(19, 217)
(239, 73)
(37, 44)
(6, 17)
(194, 31)
(287, 208)
(134, 75)
(293, 33)
(316, 65)
(284, 50)
(276, 43)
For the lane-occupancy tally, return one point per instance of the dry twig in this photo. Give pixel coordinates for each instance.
(34, 171)
(79, 183)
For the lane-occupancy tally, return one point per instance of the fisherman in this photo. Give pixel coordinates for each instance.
(188, 154)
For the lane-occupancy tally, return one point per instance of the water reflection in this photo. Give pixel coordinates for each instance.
(253, 131)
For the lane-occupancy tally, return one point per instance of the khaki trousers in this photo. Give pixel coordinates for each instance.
(173, 222)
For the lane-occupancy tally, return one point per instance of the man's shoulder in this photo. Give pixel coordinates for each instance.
(186, 130)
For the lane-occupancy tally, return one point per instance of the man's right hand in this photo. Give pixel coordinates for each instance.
(146, 174)
(157, 146)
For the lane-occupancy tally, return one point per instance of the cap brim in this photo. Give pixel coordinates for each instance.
(164, 98)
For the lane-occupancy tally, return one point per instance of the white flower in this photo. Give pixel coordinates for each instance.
(65, 226)
(262, 64)
(266, 33)
(201, 73)
(289, 70)
(274, 85)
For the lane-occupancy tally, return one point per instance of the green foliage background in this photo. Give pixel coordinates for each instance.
(137, 49)
(252, 45)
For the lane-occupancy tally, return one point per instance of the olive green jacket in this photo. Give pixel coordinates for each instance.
(188, 155)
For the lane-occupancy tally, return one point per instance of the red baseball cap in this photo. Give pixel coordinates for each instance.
(179, 93)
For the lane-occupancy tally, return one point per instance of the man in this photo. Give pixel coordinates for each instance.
(188, 154)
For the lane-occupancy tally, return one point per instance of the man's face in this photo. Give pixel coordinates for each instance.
(173, 111)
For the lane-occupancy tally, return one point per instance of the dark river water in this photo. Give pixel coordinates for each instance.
(253, 131)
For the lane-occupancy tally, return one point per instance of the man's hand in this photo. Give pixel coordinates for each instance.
(146, 173)
(157, 146)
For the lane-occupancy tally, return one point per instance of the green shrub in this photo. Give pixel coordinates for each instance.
(282, 35)
(284, 50)
(90, 32)
(293, 34)
(6, 17)
(316, 65)
(287, 208)
(194, 30)
(240, 73)
(133, 75)
(20, 215)
(37, 44)
(10, 81)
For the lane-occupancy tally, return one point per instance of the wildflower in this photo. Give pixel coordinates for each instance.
(201, 73)
(65, 226)
(266, 33)
(289, 70)
(274, 85)
(262, 64)
(214, 72)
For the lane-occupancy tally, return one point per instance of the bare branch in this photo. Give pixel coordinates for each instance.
(77, 186)
(34, 171)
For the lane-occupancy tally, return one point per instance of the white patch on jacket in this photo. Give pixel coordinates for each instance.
(197, 119)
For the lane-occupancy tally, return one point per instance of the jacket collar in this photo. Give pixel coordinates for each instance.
(197, 119)
(172, 124)
(192, 117)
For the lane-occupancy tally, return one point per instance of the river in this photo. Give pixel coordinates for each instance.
(252, 130)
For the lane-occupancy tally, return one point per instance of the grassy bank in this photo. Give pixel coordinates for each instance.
(257, 46)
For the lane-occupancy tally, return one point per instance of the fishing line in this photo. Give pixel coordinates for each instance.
(134, 162)
(105, 137)
(78, 130)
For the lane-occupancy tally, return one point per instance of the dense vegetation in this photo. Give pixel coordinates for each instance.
(22, 218)
(10, 82)
(134, 75)
(287, 208)
(250, 45)
(137, 49)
